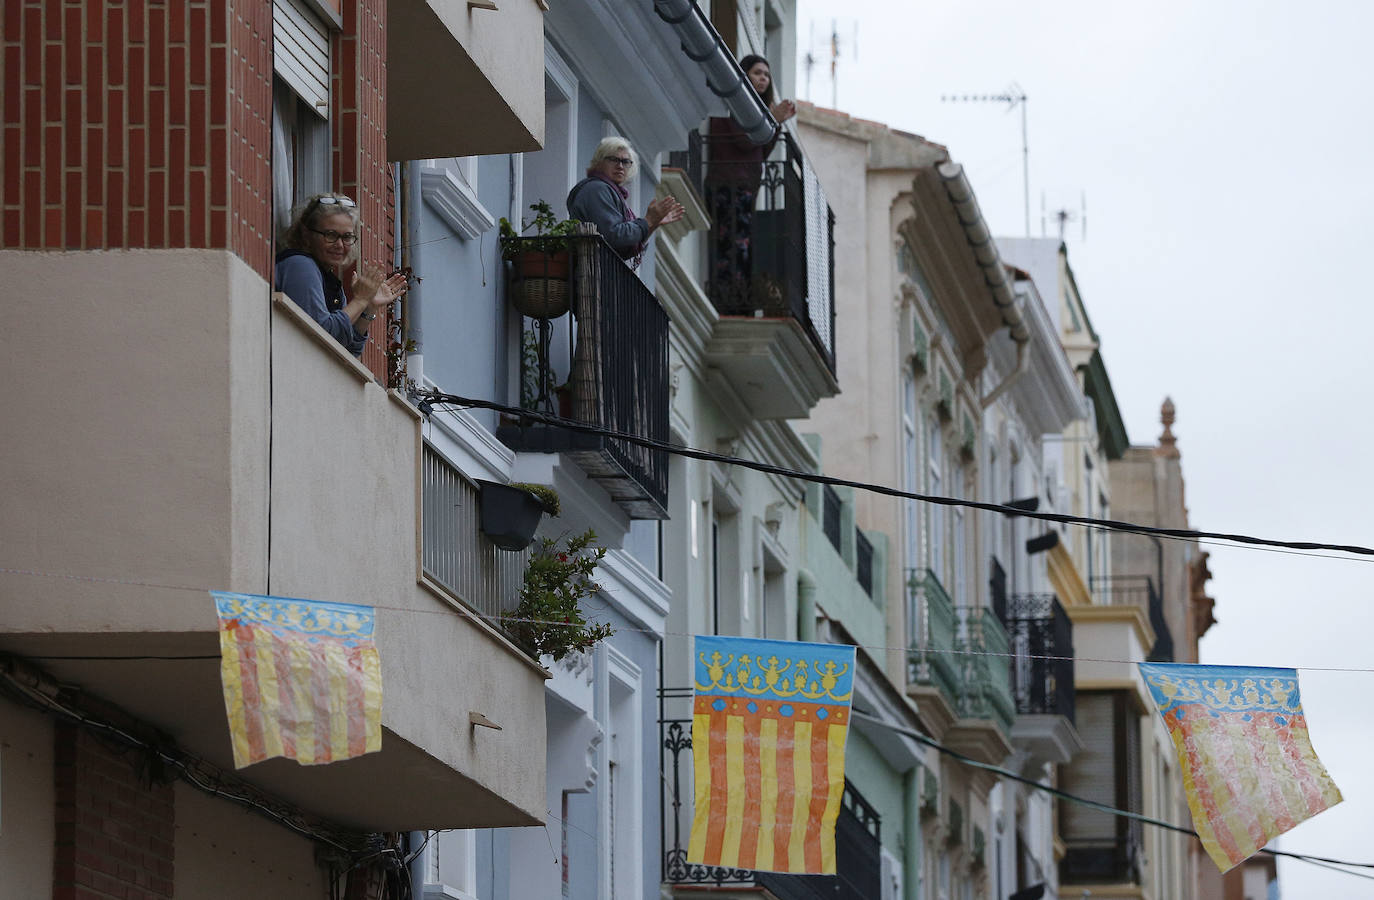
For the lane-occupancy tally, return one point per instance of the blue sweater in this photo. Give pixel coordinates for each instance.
(593, 200)
(316, 290)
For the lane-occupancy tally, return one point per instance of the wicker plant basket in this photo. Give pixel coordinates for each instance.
(539, 289)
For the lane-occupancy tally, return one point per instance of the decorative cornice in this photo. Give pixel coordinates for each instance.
(674, 182)
(455, 202)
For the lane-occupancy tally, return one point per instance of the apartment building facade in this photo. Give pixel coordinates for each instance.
(206, 434)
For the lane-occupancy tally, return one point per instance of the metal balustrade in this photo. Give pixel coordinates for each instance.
(772, 240)
(453, 551)
(1137, 590)
(931, 624)
(1042, 640)
(985, 667)
(617, 379)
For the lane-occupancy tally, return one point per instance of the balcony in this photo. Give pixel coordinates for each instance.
(984, 706)
(614, 353)
(858, 843)
(933, 672)
(272, 463)
(1041, 636)
(1138, 591)
(770, 273)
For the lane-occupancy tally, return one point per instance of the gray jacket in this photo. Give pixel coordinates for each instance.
(595, 201)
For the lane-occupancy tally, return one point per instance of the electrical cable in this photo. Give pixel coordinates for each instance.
(428, 399)
(1084, 801)
(489, 617)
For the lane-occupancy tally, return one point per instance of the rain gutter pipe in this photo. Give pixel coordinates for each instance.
(976, 230)
(410, 256)
(704, 46)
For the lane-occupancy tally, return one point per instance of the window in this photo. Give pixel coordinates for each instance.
(959, 590)
(1102, 847)
(300, 152)
(935, 487)
(911, 477)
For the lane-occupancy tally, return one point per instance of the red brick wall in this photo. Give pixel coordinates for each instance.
(358, 94)
(114, 833)
(147, 123)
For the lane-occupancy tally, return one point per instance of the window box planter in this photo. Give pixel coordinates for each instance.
(510, 514)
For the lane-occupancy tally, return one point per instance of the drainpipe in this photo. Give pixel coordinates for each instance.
(703, 45)
(911, 828)
(979, 236)
(410, 256)
(1022, 362)
(417, 866)
(806, 606)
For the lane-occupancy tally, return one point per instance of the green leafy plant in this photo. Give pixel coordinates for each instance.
(545, 224)
(548, 497)
(558, 576)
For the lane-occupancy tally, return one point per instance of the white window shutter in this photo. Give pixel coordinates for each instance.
(300, 43)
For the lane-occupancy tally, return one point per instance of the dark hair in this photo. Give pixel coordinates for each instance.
(748, 63)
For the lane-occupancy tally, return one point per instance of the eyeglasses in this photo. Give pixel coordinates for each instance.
(333, 237)
(623, 161)
(336, 201)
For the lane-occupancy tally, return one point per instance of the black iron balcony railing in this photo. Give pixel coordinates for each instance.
(858, 838)
(614, 353)
(771, 247)
(1042, 641)
(1138, 590)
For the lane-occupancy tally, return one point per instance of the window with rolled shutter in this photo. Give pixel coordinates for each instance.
(300, 46)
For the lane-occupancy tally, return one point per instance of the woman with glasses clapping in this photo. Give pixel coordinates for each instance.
(321, 244)
(603, 200)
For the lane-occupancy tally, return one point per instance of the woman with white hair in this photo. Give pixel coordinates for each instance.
(603, 200)
(321, 245)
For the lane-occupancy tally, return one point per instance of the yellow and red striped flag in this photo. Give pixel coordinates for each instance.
(1249, 769)
(301, 678)
(769, 724)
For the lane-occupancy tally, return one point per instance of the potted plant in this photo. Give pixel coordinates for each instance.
(511, 512)
(540, 265)
(548, 619)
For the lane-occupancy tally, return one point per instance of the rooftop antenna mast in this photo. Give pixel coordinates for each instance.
(1013, 97)
(835, 49)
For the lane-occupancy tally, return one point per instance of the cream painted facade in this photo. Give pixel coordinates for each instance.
(209, 437)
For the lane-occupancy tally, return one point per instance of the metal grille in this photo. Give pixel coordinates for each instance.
(863, 561)
(1039, 630)
(820, 262)
(830, 516)
(453, 550)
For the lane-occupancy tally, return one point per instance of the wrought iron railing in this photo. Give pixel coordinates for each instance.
(863, 561)
(830, 516)
(858, 836)
(931, 625)
(771, 247)
(1042, 639)
(453, 551)
(614, 350)
(985, 667)
(1138, 590)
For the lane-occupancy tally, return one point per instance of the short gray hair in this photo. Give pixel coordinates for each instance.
(609, 146)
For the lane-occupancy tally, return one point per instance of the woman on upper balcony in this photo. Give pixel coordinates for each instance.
(733, 173)
(603, 200)
(321, 248)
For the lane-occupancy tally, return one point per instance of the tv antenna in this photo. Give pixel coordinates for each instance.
(1013, 96)
(835, 47)
(1063, 215)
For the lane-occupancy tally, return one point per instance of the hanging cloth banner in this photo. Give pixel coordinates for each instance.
(769, 724)
(301, 678)
(1248, 766)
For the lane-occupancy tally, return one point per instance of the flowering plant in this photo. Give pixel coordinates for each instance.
(548, 619)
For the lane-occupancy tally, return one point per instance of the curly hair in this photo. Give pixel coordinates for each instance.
(307, 216)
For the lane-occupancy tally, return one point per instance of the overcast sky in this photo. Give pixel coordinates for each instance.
(1224, 152)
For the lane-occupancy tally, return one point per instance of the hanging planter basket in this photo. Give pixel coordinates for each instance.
(539, 288)
(510, 515)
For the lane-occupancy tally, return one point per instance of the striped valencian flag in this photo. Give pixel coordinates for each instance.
(301, 678)
(1249, 769)
(769, 724)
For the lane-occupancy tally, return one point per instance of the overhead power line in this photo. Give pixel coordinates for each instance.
(1084, 801)
(429, 399)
